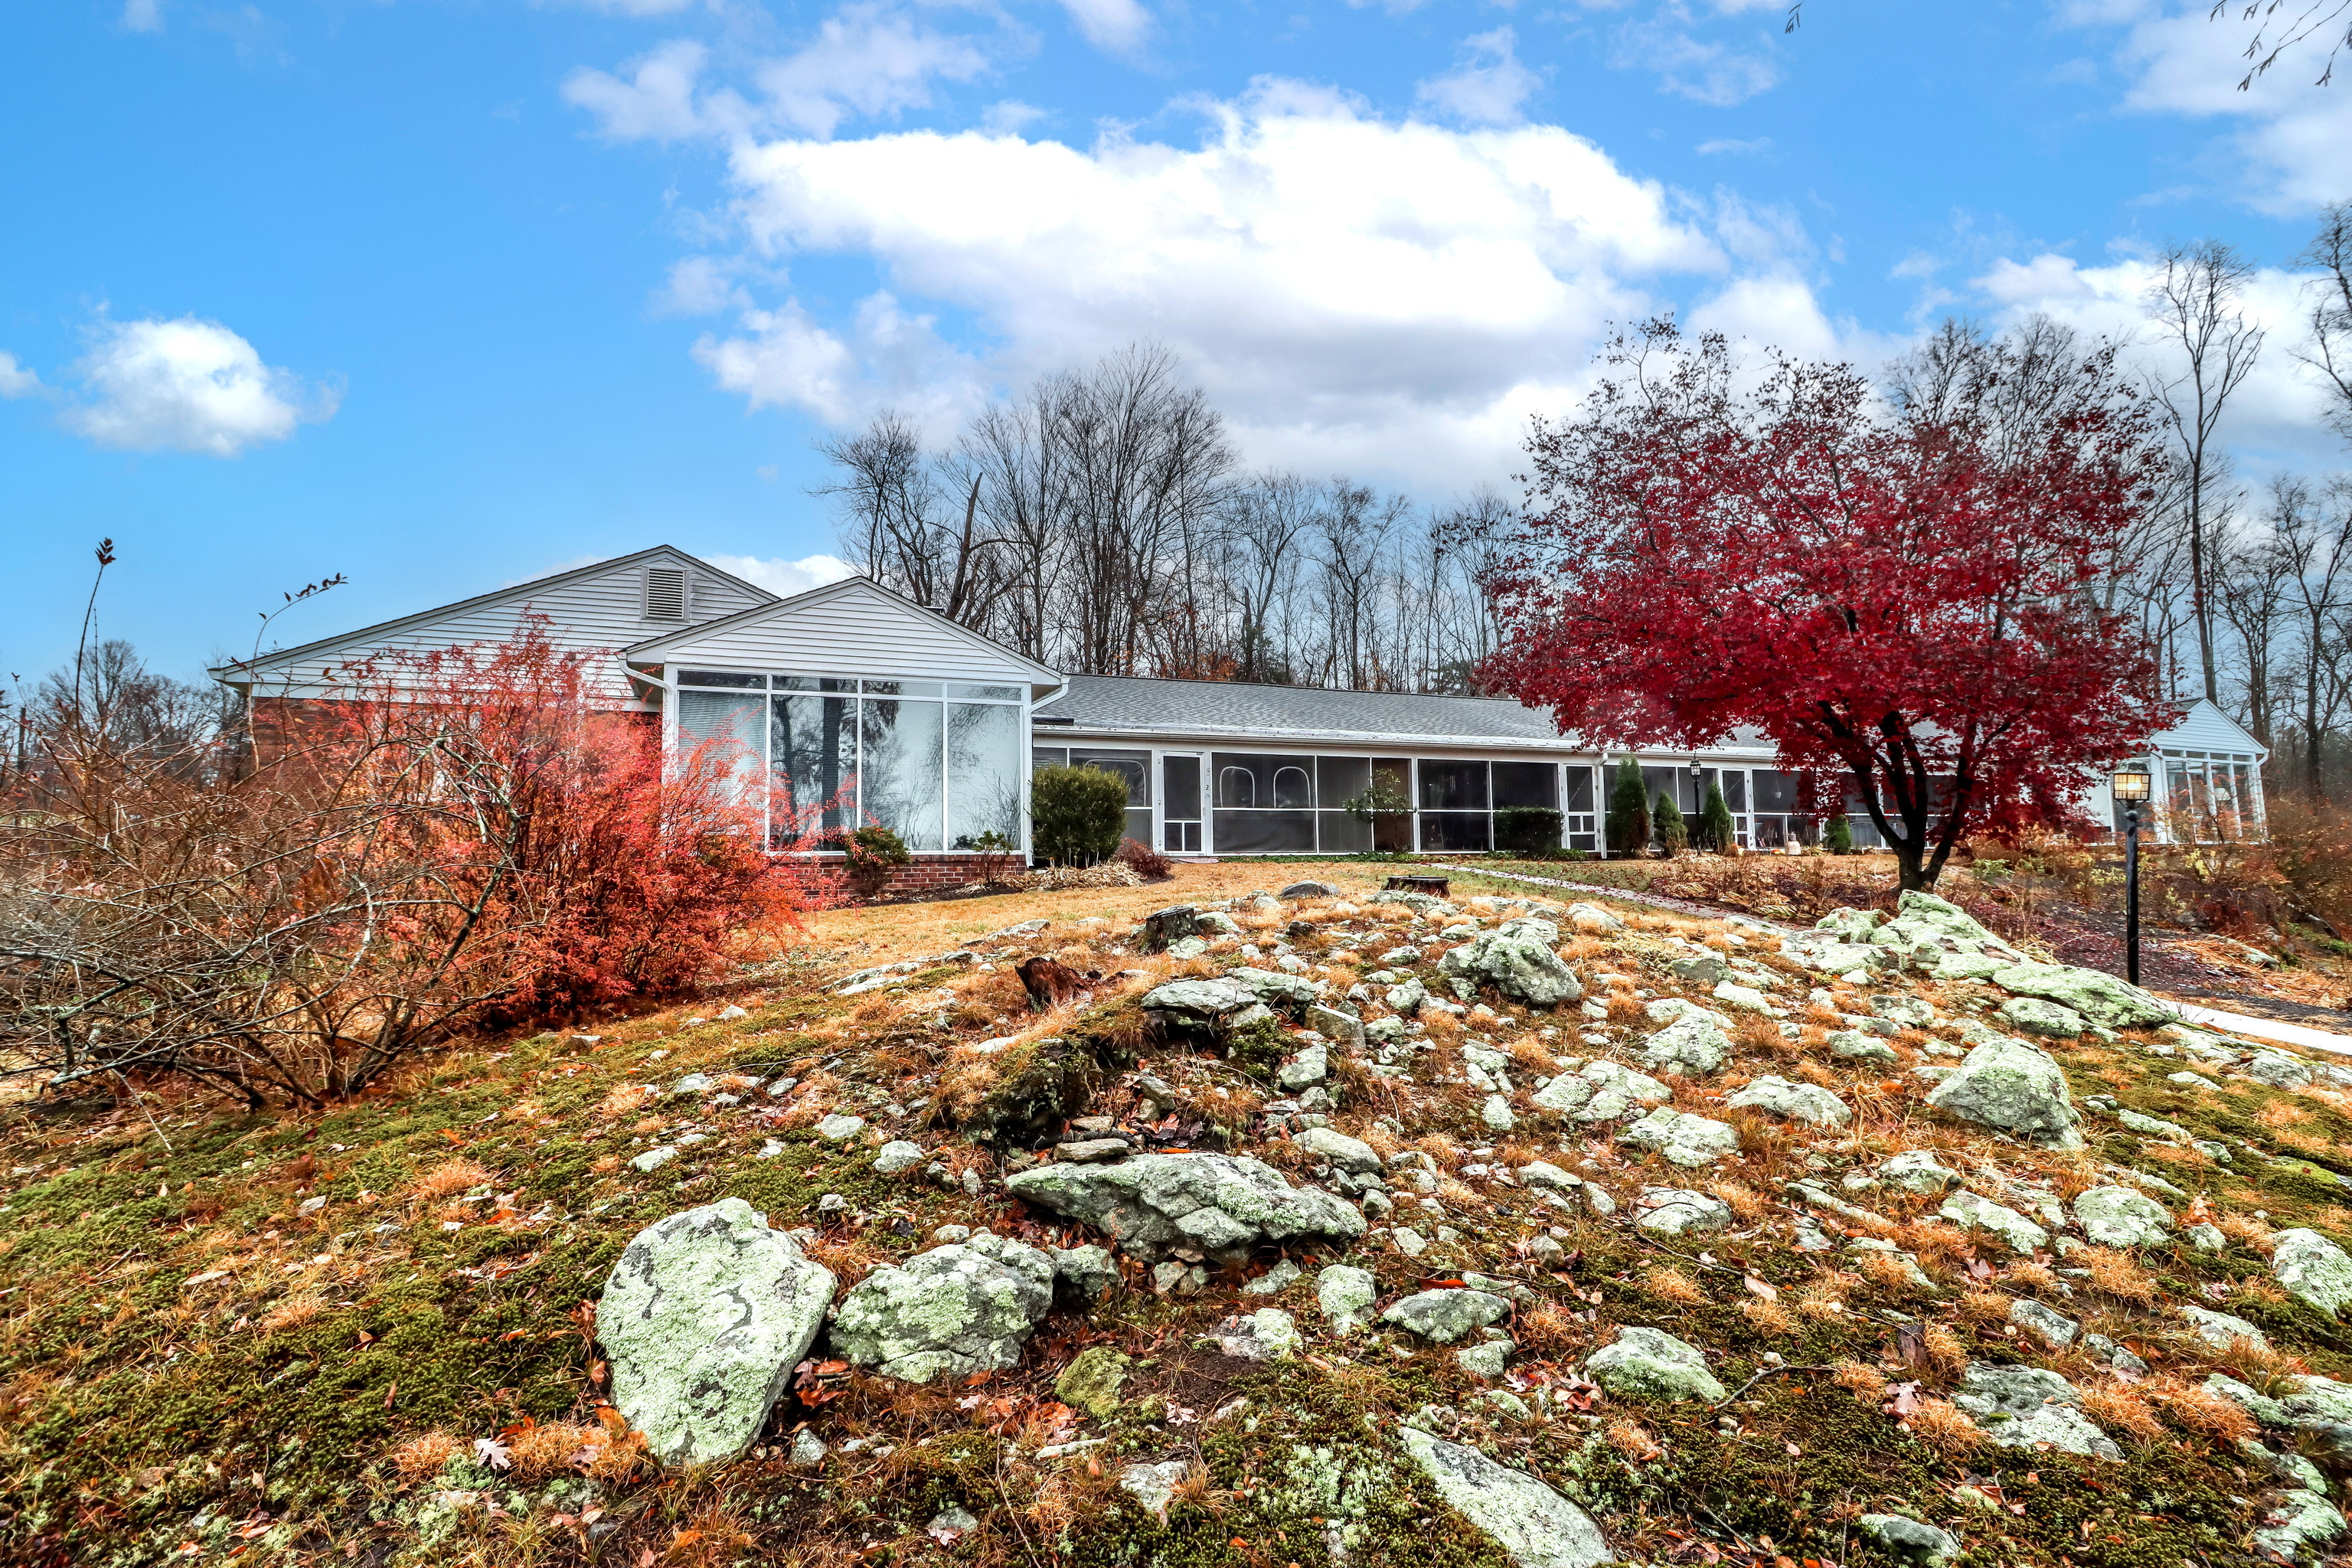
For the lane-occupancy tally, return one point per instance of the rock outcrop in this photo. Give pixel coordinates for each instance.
(1212, 1206)
(965, 1308)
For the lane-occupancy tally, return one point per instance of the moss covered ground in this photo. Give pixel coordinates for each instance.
(367, 1335)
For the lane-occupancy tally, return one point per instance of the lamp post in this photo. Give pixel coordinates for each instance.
(2131, 786)
(1699, 802)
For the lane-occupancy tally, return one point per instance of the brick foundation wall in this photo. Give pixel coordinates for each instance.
(938, 873)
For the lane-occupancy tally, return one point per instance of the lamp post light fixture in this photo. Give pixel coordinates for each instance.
(1699, 802)
(2131, 787)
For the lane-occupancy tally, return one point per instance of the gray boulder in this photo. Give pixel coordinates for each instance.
(1290, 993)
(2118, 1217)
(1853, 1045)
(1970, 1210)
(2033, 1016)
(1446, 1315)
(1534, 1524)
(1807, 1102)
(1346, 1295)
(1678, 1211)
(1308, 1068)
(2298, 1524)
(2052, 1327)
(954, 1310)
(2312, 1269)
(1649, 1363)
(1216, 1206)
(1600, 1090)
(1352, 1154)
(1692, 1045)
(2009, 1085)
(702, 1321)
(1592, 918)
(1916, 1171)
(1200, 1004)
(1517, 959)
(1908, 1540)
(2101, 998)
(1343, 1027)
(2278, 1069)
(1682, 1137)
(1310, 890)
(2020, 1406)
(2222, 1329)
(898, 1154)
(1269, 1334)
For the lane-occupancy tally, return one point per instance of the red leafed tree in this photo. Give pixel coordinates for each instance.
(462, 839)
(1900, 592)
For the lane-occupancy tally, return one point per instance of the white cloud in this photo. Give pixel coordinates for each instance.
(2274, 418)
(1117, 26)
(656, 104)
(630, 8)
(1719, 144)
(191, 387)
(701, 286)
(142, 15)
(1667, 40)
(866, 61)
(1009, 117)
(1488, 85)
(2287, 150)
(786, 577)
(17, 380)
(1393, 8)
(1352, 290)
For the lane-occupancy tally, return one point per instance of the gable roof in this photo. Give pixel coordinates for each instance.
(519, 593)
(2207, 728)
(663, 647)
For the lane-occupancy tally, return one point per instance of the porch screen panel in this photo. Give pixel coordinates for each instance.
(1457, 830)
(1135, 767)
(1265, 803)
(900, 775)
(1527, 784)
(1393, 835)
(1577, 807)
(983, 772)
(1338, 781)
(813, 745)
(1450, 786)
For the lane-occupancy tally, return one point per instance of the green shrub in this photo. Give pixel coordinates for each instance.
(1837, 835)
(1531, 831)
(872, 850)
(1629, 812)
(1076, 816)
(1717, 831)
(1672, 830)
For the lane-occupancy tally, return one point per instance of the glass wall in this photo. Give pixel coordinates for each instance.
(937, 763)
(1135, 767)
(2205, 797)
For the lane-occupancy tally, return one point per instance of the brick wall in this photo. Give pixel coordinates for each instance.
(938, 873)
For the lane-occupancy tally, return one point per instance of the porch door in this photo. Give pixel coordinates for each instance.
(1179, 803)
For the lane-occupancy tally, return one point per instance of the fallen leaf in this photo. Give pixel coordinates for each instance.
(1756, 1286)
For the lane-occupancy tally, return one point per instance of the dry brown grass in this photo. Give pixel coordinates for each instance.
(1672, 1285)
(1865, 1382)
(447, 1179)
(1984, 1308)
(1744, 1201)
(623, 1099)
(540, 1452)
(1768, 1318)
(2122, 1409)
(1945, 1428)
(1944, 1353)
(293, 1312)
(1632, 1439)
(2038, 1276)
(420, 1458)
(1625, 1009)
(2200, 1411)
(2247, 1231)
(2118, 1274)
(1886, 1271)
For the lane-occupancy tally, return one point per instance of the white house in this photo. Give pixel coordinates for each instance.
(887, 711)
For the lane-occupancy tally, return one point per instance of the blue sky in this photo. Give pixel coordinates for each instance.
(445, 295)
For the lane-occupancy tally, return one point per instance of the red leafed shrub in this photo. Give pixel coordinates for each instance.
(1144, 860)
(464, 838)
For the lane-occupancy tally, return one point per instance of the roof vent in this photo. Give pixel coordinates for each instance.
(664, 594)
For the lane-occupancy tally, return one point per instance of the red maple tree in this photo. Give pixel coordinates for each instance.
(1901, 593)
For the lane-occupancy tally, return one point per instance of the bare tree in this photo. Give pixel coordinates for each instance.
(2329, 352)
(2195, 305)
(2313, 538)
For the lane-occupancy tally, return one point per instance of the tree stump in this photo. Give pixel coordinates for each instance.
(1435, 887)
(1051, 984)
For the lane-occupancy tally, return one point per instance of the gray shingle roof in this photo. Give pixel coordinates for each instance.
(1140, 705)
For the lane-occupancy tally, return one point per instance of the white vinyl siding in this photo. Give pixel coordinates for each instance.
(855, 630)
(597, 611)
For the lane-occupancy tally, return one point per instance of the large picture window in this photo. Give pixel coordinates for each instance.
(933, 762)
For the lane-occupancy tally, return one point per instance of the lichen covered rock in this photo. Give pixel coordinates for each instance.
(1537, 1526)
(1446, 1315)
(1517, 959)
(2024, 1406)
(1649, 1363)
(1215, 1205)
(2310, 1267)
(1601, 1091)
(702, 1321)
(2009, 1085)
(958, 1310)
(2101, 998)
